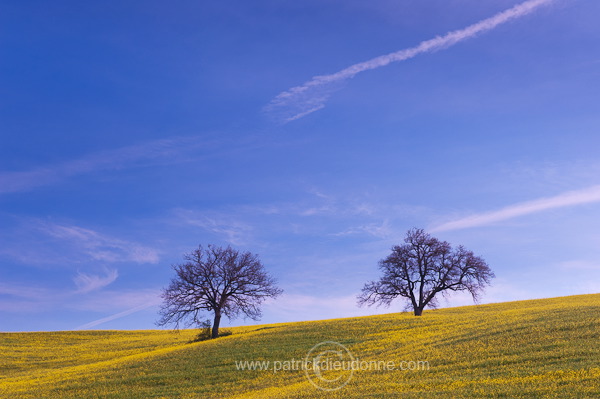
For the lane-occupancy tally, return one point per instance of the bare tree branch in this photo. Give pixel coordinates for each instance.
(218, 280)
(423, 267)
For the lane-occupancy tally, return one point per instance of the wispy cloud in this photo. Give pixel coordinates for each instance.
(22, 291)
(382, 230)
(116, 316)
(24, 298)
(231, 230)
(570, 198)
(302, 100)
(99, 246)
(91, 282)
(133, 302)
(166, 150)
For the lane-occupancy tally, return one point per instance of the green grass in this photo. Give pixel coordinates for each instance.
(527, 349)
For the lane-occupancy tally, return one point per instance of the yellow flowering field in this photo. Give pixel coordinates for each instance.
(547, 348)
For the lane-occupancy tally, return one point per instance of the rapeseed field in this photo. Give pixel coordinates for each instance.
(547, 348)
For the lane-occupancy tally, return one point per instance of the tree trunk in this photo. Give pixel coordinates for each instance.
(418, 311)
(215, 327)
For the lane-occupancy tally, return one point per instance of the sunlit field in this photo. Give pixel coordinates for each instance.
(526, 349)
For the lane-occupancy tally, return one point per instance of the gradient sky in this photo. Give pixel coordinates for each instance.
(313, 133)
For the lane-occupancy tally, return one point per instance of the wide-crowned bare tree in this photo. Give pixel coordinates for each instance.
(423, 267)
(220, 280)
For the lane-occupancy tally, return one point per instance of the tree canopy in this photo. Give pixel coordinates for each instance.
(422, 268)
(223, 281)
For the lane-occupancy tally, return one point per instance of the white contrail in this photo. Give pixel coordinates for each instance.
(312, 95)
(570, 198)
(116, 316)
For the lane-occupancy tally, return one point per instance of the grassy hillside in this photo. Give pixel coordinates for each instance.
(526, 349)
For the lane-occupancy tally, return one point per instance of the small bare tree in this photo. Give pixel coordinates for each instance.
(218, 280)
(424, 267)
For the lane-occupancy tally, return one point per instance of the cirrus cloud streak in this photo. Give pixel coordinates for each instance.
(300, 101)
(569, 198)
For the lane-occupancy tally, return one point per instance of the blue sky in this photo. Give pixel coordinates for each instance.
(312, 133)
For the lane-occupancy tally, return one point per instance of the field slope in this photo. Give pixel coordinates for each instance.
(526, 349)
